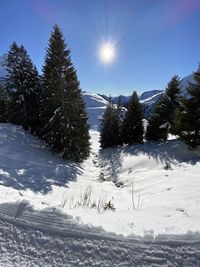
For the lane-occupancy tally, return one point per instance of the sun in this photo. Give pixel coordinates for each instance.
(107, 53)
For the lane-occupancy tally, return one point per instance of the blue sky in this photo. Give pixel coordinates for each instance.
(154, 39)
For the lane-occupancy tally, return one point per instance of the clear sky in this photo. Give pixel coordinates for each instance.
(153, 39)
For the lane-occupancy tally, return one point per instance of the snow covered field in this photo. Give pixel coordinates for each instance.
(154, 188)
(47, 204)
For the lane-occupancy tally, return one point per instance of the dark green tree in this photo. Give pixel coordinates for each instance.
(160, 121)
(3, 103)
(109, 133)
(62, 112)
(23, 88)
(132, 127)
(119, 105)
(187, 117)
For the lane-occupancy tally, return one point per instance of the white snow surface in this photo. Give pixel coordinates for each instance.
(95, 106)
(154, 187)
(52, 211)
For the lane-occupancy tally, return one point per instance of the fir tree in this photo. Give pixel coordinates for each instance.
(187, 117)
(158, 126)
(132, 127)
(120, 113)
(63, 113)
(23, 88)
(119, 105)
(3, 103)
(160, 121)
(109, 134)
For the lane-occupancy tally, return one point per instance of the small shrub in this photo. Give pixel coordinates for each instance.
(168, 166)
(109, 206)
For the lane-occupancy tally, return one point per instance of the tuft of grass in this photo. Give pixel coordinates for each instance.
(87, 199)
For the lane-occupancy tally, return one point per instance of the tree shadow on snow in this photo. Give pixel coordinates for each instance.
(171, 152)
(26, 163)
(110, 163)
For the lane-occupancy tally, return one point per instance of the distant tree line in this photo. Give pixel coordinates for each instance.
(172, 114)
(48, 106)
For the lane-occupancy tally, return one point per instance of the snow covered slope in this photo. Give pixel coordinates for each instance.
(149, 103)
(95, 105)
(148, 100)
(58, 211)
(148, 95)
(153, 188)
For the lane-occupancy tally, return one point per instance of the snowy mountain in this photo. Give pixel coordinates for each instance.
(146, 96)
(148, 100)
(184, 83)
(95, 106)
(124, 99)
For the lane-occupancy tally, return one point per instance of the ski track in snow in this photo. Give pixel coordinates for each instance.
(48, 238)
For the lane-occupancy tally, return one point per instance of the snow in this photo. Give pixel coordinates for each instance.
(154, 187)
(25, 246)
(149, 94)
(95, 105)
(47, 203)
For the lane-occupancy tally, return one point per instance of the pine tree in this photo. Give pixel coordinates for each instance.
(120, 114)
(173, 91)
(119, 105)
(187, 117)
(23, 88)
(160, 121)
(109, 134)
(62, 112)
(132, 127)
(3, 103)
(158, 126)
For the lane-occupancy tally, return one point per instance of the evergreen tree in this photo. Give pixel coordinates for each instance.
(119, 105)
(187, 117)
(3, 102)
(173, 91)
(132, 127)
(120, 113)
(109, 134)
(158, 126)
(160, 121)
(62, 112)
(23, 88)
